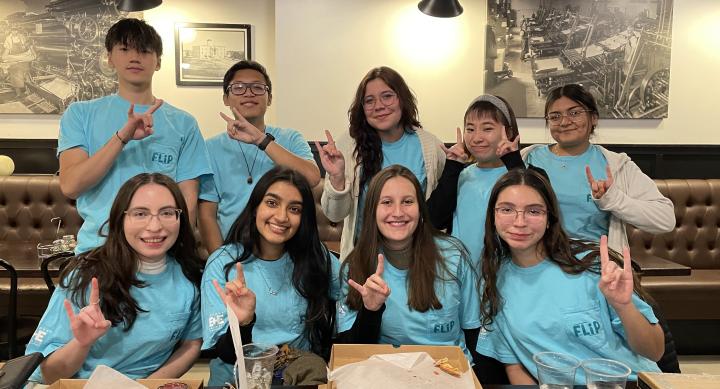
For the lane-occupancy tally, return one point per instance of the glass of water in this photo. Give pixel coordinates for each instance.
(555, 370)
(45, 251)
(259, 365)
(605, 373)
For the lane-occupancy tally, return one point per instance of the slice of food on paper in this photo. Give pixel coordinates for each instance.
(445, 365)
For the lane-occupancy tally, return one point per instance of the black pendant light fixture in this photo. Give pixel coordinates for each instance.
(441, 8)
(136, 5)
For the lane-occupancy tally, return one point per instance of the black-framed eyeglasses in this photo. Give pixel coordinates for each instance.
(573, 115)
(166, 216)
(386, 98)
(239, 88)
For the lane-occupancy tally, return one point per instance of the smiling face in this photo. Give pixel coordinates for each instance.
(251, 107)
(133, 66)
(482, 137)
(523, 230)
(382, 109)
(151, 238)
(572, 135)
(397, 212)
(278, 217)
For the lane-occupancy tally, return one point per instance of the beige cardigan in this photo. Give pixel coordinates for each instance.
(343, 205)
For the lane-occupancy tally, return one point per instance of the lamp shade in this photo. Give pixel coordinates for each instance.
(137, 5)
(441, 8)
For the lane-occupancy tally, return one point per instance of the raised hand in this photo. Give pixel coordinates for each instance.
(332, 161)
(139, 126)
(456, 152)
(616, 284)
(375, 291)
(505, 146)
(242, 130)
(599, 187)
(89, 324)
(238, 297)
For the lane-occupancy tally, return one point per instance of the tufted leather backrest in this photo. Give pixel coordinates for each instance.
(695, 241)
(28, 202)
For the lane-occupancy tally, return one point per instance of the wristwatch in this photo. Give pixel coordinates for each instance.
(265, 142)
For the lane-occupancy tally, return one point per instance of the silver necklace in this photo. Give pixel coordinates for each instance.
(249, 169)
(272, 291)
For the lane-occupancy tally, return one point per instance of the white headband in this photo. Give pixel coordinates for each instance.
(499, 104)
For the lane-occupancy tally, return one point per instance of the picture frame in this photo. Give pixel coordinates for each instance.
(205, 51)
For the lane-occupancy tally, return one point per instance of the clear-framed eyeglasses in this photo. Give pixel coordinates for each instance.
(386, 98)
(256, 88)
(573, 115)
(531, 214)
(142, 216)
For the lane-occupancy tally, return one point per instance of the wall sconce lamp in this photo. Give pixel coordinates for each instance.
(441, 8)
(136, 5)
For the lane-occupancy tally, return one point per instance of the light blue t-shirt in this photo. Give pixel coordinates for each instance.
(581, 217)
(173, 314)
(279, 309)
(457, 292)
(228, 186)
(546, 309)
(176, 149)
(406, 151)
(474, 187)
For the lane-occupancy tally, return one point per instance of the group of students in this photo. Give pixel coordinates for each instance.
(529, 262)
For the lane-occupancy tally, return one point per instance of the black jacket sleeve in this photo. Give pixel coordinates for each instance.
(224, 346)
(365, 329)
(514, 160)
(443, 199)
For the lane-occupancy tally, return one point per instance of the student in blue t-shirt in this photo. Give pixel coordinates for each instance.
(133, 303)
(411, 284)
(106, 141)
(545, 292)
(598, 190)
(249, 148)
(274, 273)
(384, 130)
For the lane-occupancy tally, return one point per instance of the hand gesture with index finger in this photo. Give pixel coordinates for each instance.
(456, 152)
(238, 296)
(332, 161)
(505, 146)
(242, 130)
(375, 291)
(139, 125)
(616, 283)
(599, 187)
(89, 324)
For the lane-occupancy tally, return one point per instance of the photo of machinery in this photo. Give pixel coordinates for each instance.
(618, 49)
(53, 53)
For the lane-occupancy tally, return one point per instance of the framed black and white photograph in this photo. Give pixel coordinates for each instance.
(205, 51)
(52, 53)
(617, 49)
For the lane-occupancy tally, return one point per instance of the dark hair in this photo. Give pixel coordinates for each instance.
(427, 261)
(246, 64)
(576, 93)
(115, 263)
(312, 267)
(134, 33)
(555, 244)
(368, 146)
(487, 108)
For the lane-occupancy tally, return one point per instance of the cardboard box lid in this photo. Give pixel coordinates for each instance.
(149, 383)
(672, 381)
(343, 354)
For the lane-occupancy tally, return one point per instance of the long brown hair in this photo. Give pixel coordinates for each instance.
(558, 247)
(427, 263)
(115, 263)
(368, 146)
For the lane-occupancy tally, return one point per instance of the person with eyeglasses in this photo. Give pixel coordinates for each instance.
(106, 141)
(542, 290)
(246, 151)
(384, 130)
(598, 190)
(133, 303)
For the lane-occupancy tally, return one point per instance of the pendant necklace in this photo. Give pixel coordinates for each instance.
(272, 291)
(249, 169)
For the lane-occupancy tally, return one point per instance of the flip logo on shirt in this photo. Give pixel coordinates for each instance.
(444, 328)
(586, 328)
(162, 158)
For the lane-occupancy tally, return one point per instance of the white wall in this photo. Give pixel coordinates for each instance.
(318, 50)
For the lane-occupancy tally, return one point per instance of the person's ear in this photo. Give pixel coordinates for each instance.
(159, 61)
(225, 100)
(269, 99)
